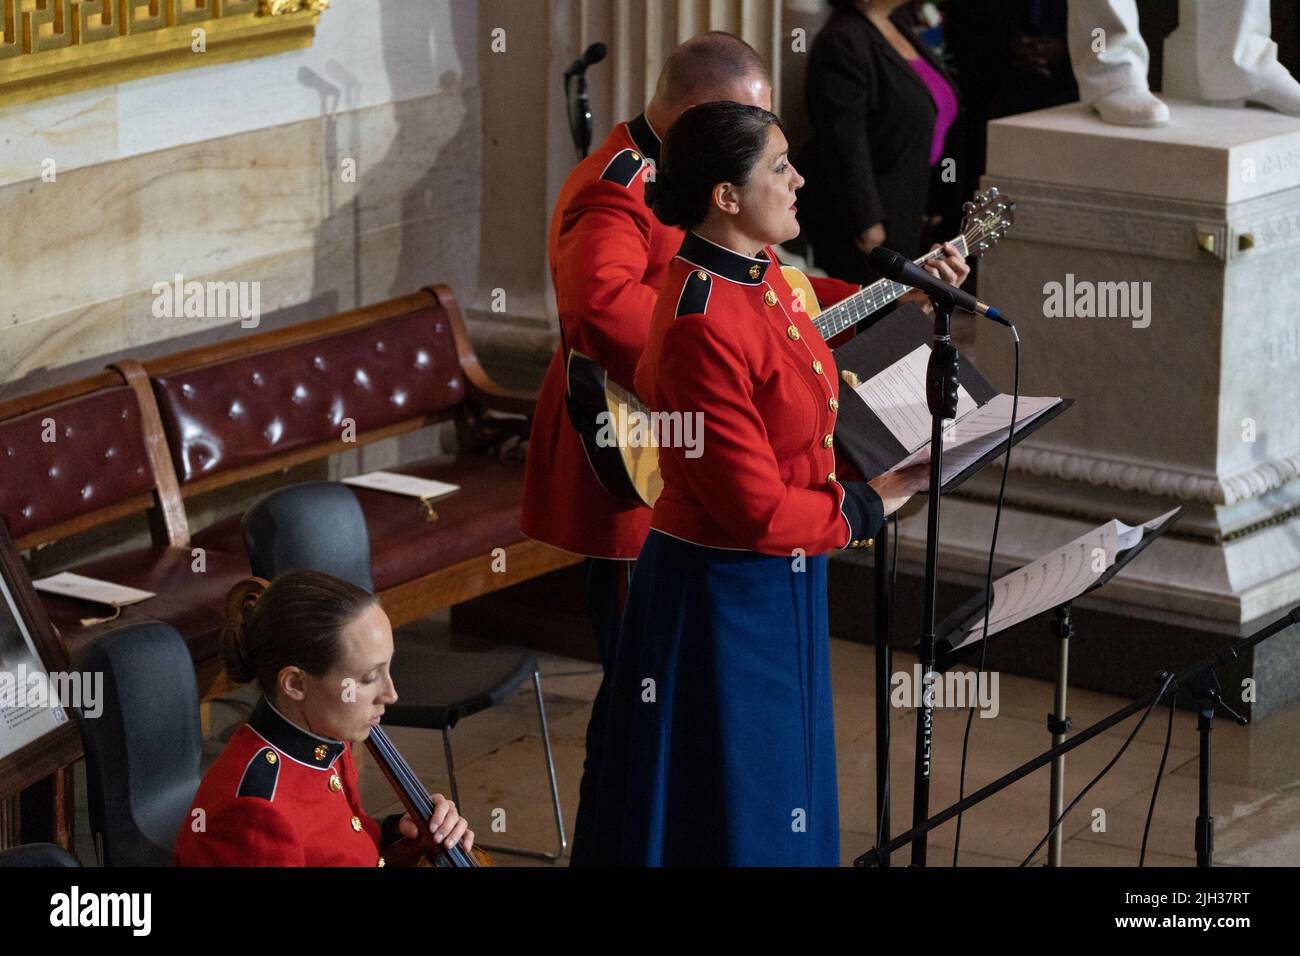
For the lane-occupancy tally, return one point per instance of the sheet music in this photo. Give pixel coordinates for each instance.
(1058, 577)
(897, 397)
(970, 438)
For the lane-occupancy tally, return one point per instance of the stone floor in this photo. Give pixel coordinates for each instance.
(1256, 773)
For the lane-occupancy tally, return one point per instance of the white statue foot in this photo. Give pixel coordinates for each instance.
(1281, 94)
(1132, 107)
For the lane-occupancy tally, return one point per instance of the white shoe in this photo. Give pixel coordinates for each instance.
(1132, 107)
(1281, 94)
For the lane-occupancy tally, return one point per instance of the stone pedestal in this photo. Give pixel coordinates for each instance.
(1151, 274)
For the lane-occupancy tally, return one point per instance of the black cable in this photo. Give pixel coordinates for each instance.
(988, 586)
(1101, 773)
(1160, 773)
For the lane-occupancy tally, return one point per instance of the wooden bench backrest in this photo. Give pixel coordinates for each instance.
(268, 401)
(84, 454)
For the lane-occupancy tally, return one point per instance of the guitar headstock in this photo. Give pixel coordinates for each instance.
(986, 219)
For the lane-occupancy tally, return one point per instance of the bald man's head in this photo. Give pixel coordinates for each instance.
(712, 66)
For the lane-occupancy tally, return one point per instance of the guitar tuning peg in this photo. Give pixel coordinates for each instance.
(968, 207)
(981, 198)
(994, 192)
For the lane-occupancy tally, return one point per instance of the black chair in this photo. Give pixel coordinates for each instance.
(143, 750)
(319, 526)
(37, 854)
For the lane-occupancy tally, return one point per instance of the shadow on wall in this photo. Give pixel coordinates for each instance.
(397, 222)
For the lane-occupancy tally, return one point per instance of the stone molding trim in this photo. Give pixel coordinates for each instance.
(1257, 480)
(1167, 229)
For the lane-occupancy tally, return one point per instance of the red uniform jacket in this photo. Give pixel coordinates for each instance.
(280, 796)
(609, 255)
(729, 344)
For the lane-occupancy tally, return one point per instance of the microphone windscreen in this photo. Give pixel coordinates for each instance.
(595, 53)
(886, 261)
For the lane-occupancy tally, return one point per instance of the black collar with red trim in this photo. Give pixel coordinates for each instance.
(719, 260)
(645, 138)
(319, 753)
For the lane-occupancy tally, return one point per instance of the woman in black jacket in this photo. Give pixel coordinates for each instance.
(880, 106)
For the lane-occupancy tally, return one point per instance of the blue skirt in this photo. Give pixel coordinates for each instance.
(720, 746)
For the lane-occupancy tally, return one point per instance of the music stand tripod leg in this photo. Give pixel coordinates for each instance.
(1058, 724)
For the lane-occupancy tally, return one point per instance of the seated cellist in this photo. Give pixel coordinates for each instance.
(284, 792)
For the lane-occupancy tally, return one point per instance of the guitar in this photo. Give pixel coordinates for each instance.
(614, 424)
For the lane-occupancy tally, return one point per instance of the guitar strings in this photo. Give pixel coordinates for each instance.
(872, 298)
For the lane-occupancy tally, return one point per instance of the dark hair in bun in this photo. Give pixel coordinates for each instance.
(709, 144)
(295, 621)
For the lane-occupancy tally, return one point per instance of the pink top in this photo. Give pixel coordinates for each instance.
(945, 99)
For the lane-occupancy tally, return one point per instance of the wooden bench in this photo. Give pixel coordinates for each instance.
(89, 453)
(260, 404)
(143, 439)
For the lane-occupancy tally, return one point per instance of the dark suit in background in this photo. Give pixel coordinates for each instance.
(872, 119)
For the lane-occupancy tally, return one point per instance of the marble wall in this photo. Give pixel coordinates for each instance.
(334, 177)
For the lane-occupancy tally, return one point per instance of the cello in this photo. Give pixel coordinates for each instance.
(418, 804)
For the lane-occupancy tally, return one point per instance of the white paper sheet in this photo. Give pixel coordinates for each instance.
(897, 397)
(970, 438)
(79, 586)
(1058, 577)
(425, 489)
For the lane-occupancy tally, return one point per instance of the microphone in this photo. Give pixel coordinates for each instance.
(593, 55)
(901, 269)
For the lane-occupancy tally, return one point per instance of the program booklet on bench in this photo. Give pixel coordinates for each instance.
(82, 588)
(426, 489)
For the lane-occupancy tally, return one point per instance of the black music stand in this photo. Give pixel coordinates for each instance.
(959, 623)
(871, 447)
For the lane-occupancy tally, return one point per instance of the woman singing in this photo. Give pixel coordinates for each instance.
(721, 745)
(284, 792)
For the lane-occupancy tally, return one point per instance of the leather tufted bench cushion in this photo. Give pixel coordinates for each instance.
(108, 459)
(482, 516)
(96, 460)
(243, 410)
(257, 405)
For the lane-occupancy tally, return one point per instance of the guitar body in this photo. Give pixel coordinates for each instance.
(615, 426)
(606, 415)
(803, 290)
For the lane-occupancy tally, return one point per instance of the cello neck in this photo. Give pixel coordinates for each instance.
(414, 798)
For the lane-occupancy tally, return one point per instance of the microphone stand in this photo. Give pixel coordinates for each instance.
(581, 111)
(941, 397)
(884, 667)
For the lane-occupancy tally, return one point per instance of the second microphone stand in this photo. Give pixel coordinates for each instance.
(941, 398)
